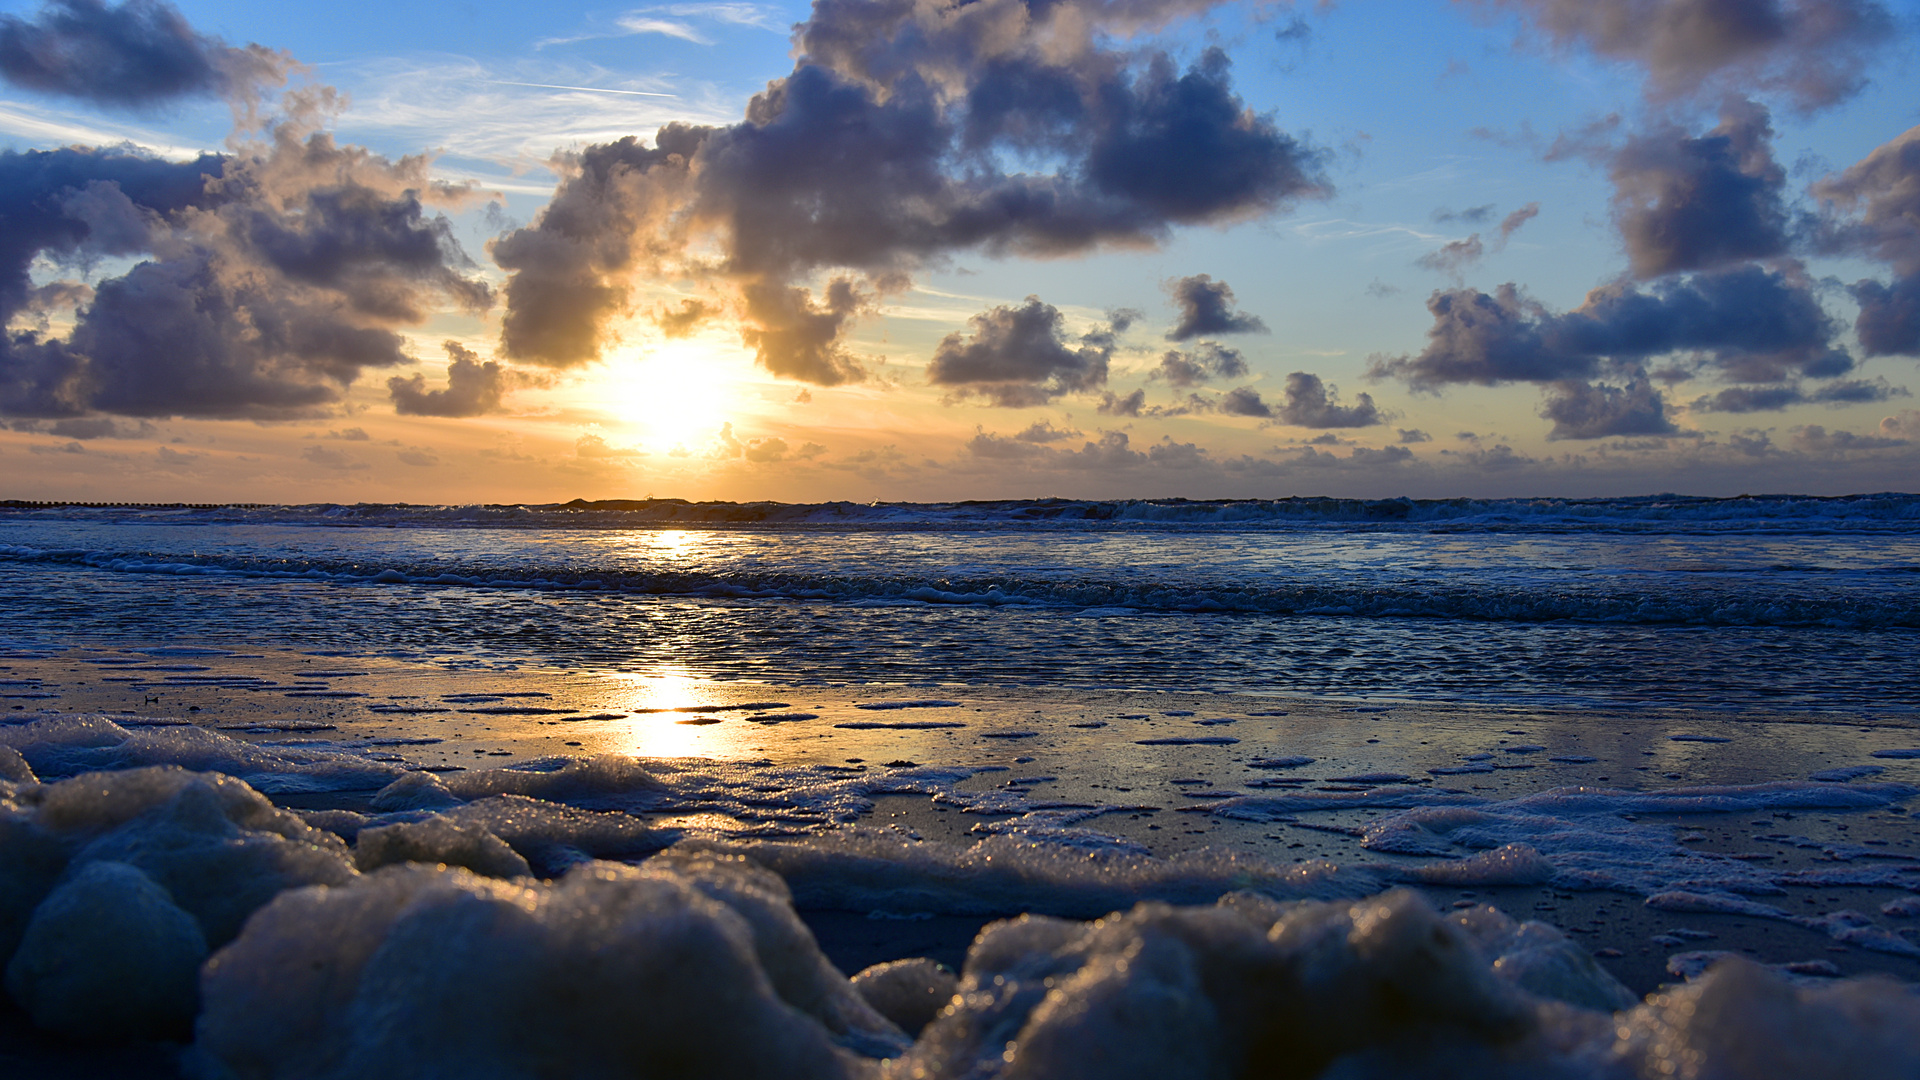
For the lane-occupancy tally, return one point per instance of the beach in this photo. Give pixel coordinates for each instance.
(1581, 850)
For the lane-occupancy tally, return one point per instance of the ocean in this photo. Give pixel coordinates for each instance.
(1809, 603)
(1304, 787)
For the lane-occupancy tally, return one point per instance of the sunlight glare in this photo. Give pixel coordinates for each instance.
(676, 392)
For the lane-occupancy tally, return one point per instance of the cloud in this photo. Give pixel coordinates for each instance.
(1512, 222)
(1414, 435)
(1453, 258)
(906, 132)
(1207, 360)
(1903, 425)
(766, 450)
(1310, 404)
(1685, 203)
(1749, 323)
(416, 458)
(352, 434)
(1889, 320)
(596, 447)
(1873, 209)
(1244, 401)
(1746, 399)
(1206, 307)
(93, 427)
(684, 321)
(1581, 410)
(1815, 52)
(1814, 439)
(1473, 215)
(328, 458)
(473, 388)
(1112, 404)
(643, 24)
(138, 55)
(1043, 431)
(274, 275)
(1016, 357)
(1112, 450)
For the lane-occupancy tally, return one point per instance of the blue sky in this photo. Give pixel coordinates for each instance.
(1422, 125)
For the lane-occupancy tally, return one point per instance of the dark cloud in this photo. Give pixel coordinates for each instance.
(613, 214)
(1815, 52)
(1512, 222)
(1453, 258)
(473, 388)
(1043, 431)
(684, 320)
(1112, 404)
(1581, 410)
(1017, 357)
(275, 275)
(1873, 209)
(328, 458)
(1685, 203)
(1112, 451)
(1414, 435)
(1206, 307)
(908, 130)
(138, 55)
(1815, 439)
(1748, 323)
(1472, 215)
(1889, 320)
(1746, 399)
(1207, 360)
(85, 428)
(1244, 401)
(1310, 404)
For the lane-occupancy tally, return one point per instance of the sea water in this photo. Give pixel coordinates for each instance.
(1714, 603)
(1310, 668)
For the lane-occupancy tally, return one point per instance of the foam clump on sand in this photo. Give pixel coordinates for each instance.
(108, 955)
(438, 840)
(861, 869)
(433, 947)
(68, 745)
(681, 967)
(1741, 1020)
(113, 885)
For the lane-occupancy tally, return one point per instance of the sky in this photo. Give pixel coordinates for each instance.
(918, 250)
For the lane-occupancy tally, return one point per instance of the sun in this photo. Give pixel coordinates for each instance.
(674, 393)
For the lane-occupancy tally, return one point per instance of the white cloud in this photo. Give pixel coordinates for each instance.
(513, 117)
(642, 24)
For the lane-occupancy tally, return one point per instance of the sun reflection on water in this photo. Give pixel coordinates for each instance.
(660, 734)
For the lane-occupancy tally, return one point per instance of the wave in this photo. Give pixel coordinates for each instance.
(1884, 512)
(1088, 594)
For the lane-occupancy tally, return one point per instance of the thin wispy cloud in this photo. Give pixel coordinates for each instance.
(646, 24)
(652, 20)
(39, 124)
(514, 117)
(583, 89)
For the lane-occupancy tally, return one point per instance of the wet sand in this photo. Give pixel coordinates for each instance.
(1157, 761)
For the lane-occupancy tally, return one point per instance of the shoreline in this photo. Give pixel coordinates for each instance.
(1182, 793)
(1156, 772)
